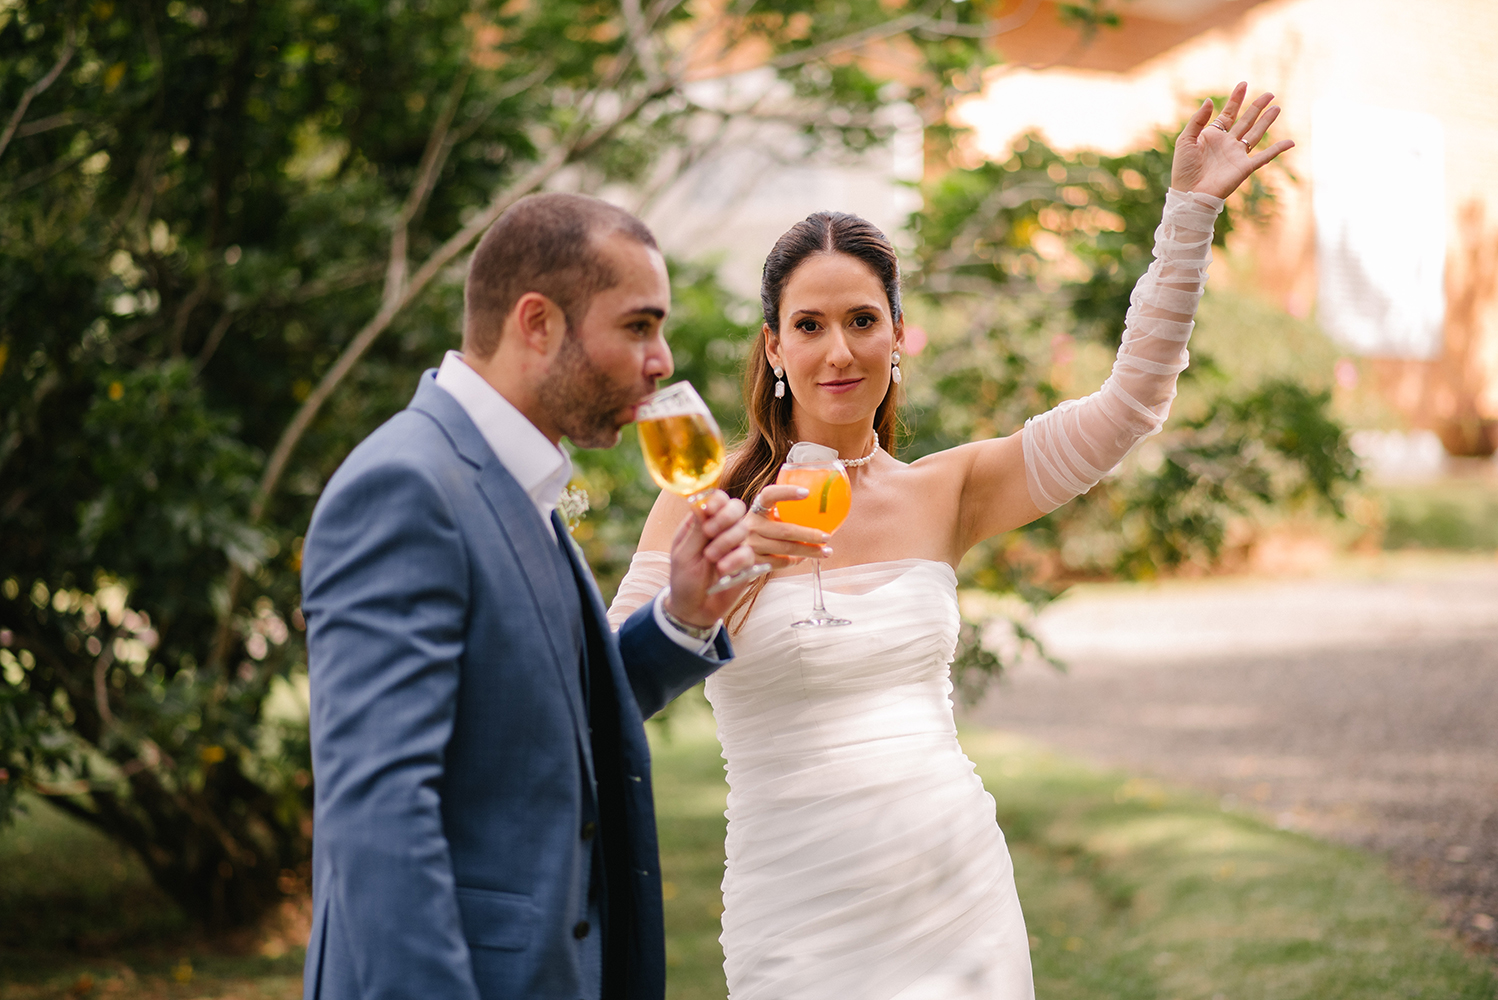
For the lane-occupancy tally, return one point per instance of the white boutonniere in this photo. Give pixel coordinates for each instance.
(572, 506)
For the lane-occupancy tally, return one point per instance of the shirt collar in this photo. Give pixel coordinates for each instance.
(540, 467)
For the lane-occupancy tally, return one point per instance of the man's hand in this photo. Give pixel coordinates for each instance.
(708, 545)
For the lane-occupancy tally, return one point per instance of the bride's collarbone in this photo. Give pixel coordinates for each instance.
(875, 539)
(905, 514)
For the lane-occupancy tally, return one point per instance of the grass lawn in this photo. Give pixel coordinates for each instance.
(1459, 515)
(1130, 890)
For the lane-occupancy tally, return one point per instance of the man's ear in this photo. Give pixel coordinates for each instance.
(537, 323)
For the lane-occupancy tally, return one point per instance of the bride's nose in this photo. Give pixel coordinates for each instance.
(838, 354)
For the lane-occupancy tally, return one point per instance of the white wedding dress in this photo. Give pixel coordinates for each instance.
(864, 860)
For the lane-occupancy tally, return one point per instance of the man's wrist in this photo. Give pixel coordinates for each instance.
(701, 633)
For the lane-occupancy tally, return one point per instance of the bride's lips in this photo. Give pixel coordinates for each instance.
(841, 385)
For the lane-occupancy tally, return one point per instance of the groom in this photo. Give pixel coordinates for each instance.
(484, 825)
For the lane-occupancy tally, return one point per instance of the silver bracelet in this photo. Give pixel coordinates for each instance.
(701, 633)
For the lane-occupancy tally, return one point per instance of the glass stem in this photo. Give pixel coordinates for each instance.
(816, 589)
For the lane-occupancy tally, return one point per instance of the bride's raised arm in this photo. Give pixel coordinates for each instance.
(1065, 451)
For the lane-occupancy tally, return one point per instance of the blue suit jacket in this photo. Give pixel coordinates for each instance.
(447, 733)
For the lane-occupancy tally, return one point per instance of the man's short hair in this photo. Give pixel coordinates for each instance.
(545, 243)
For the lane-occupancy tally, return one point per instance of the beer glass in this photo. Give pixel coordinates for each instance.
(829, 495)
(683, 450)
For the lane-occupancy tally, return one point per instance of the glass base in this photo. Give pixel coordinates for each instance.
(742, 576)
(820, 621)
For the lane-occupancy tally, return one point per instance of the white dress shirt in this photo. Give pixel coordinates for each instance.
(540, 467)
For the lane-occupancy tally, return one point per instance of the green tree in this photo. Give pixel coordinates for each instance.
(232, 235)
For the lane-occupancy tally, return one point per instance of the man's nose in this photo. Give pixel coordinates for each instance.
(658, 361)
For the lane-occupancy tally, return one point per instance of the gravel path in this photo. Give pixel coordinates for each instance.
(1362, 708)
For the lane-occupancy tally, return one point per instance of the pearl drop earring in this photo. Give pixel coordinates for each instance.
(894, 363)
(779, 385)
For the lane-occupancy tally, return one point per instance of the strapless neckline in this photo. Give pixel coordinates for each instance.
(835, 572)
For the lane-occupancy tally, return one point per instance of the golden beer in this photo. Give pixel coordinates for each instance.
(683, 451)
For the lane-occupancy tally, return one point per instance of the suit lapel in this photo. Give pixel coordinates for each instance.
(595, 619)
(528, 538)
(587, 587)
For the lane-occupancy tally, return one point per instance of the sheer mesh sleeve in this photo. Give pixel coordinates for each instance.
(1069, 448)
(648, 573)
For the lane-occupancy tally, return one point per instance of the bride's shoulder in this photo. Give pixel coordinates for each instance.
(953, 461)
(929, 475)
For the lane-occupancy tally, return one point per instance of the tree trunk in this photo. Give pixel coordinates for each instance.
(224, 853)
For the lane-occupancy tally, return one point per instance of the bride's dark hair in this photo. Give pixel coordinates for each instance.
(754, 464)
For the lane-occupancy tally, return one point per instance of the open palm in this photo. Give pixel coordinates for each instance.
(1214, 155)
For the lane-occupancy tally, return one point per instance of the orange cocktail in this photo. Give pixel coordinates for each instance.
(827, 501)
(828, 497)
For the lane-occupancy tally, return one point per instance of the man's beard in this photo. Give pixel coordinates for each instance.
(582, 400)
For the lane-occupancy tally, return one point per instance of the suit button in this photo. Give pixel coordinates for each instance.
(589, 829)
(580, 929)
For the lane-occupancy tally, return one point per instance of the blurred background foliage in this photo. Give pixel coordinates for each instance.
(233, 237)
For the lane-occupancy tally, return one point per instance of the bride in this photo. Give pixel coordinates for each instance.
(864, 859)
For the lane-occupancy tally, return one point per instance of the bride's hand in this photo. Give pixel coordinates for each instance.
(777, 542)
(1215, 155)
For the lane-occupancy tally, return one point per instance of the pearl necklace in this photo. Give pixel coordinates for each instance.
(853, 463)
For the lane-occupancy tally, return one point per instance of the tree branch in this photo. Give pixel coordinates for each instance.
(101, 690)
(184, 313)
(48, 124)
(953, 29)
(639, 39)
(48, 171)
(906, 23)
(37, 88)
(439, 144)
(211, 342)
(856, 40)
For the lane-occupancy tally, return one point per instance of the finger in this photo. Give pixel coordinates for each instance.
(728, 515)
(1250, 115)
(1235, 101)
(784, 531)
(774, 493)
(1264, 156)
(791, 550)
(712, 503)
(1253, 135)
(741, 557)
(688, 533)
(726, 541)
(767, 498)
(1197, 122)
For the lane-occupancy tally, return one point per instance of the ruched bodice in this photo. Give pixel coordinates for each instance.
(864, 859)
